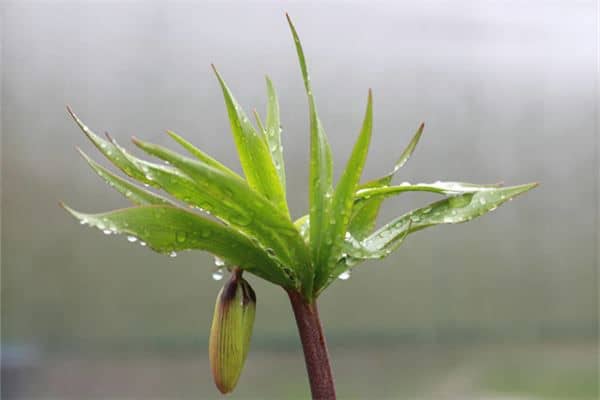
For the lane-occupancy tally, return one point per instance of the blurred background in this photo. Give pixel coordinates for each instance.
(505, 307)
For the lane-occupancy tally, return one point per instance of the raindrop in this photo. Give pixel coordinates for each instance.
(219, 262)
(344, 276)
(172, 254)
(131, 239)
(181, 236)
(83, 221)
(143, 244)
(107, 231)
(217, 274)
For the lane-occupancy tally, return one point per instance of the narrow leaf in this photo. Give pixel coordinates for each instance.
(110, 151)
(236, 203)
(321, 166)
(447, 188)
(253, 152)
(365, 215)
(343, 199)
(273, 131)
(452, 210)
(200, 155)
(167, 229)
(134, 193)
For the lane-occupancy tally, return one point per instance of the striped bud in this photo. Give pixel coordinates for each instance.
(231, 331)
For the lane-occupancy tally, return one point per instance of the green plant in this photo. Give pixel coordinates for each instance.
(252, 230)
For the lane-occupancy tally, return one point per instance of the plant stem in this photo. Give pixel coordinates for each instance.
(314, 347)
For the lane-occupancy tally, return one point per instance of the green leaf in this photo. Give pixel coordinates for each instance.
(321, 165)
(452, 210)
(200, 155)
(365, 215)
(253, 151)
(343, 198)
(273, 131)
(303, 227)
(134, 193)
(111, 151)
(167, 229)
(404, 157)
(239, 205)
(447, 188)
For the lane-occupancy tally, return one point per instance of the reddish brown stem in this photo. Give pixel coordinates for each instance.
(314, 346)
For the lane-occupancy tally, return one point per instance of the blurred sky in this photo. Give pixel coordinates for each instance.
(508, 91)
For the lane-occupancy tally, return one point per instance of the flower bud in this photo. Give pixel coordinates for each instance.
(231, 331)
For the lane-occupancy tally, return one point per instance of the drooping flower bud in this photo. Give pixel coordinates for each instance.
(231, 331)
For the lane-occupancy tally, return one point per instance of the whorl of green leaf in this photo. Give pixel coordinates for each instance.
(249, 224)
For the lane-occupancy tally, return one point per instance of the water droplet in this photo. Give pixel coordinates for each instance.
(344, 276)
(218, 274)
(131, 239)
(83, 221)
(107, 231)
(482, 201)
(172, 254)
(181, 236)
(219, 262)
(143, 244)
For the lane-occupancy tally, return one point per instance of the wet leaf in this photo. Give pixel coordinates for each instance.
(167, 229)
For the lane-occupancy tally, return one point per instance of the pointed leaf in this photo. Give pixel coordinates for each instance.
(166, 229)
(321, 166)
(452, 210)
(362, 222)
(447, 188)
(111, 152)
(343, 198)
(134, 193)
(273, 131)
(200, 155)
(253, 151)
(235, 202)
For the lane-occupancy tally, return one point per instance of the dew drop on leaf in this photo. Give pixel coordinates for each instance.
(107, 231)
(344, 276)
(181, 236)
(172, 254)
(218, 274)
(219, 262)
(131, 239)
(143, 244)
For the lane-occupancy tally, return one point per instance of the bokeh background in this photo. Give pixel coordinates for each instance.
(504, 307)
